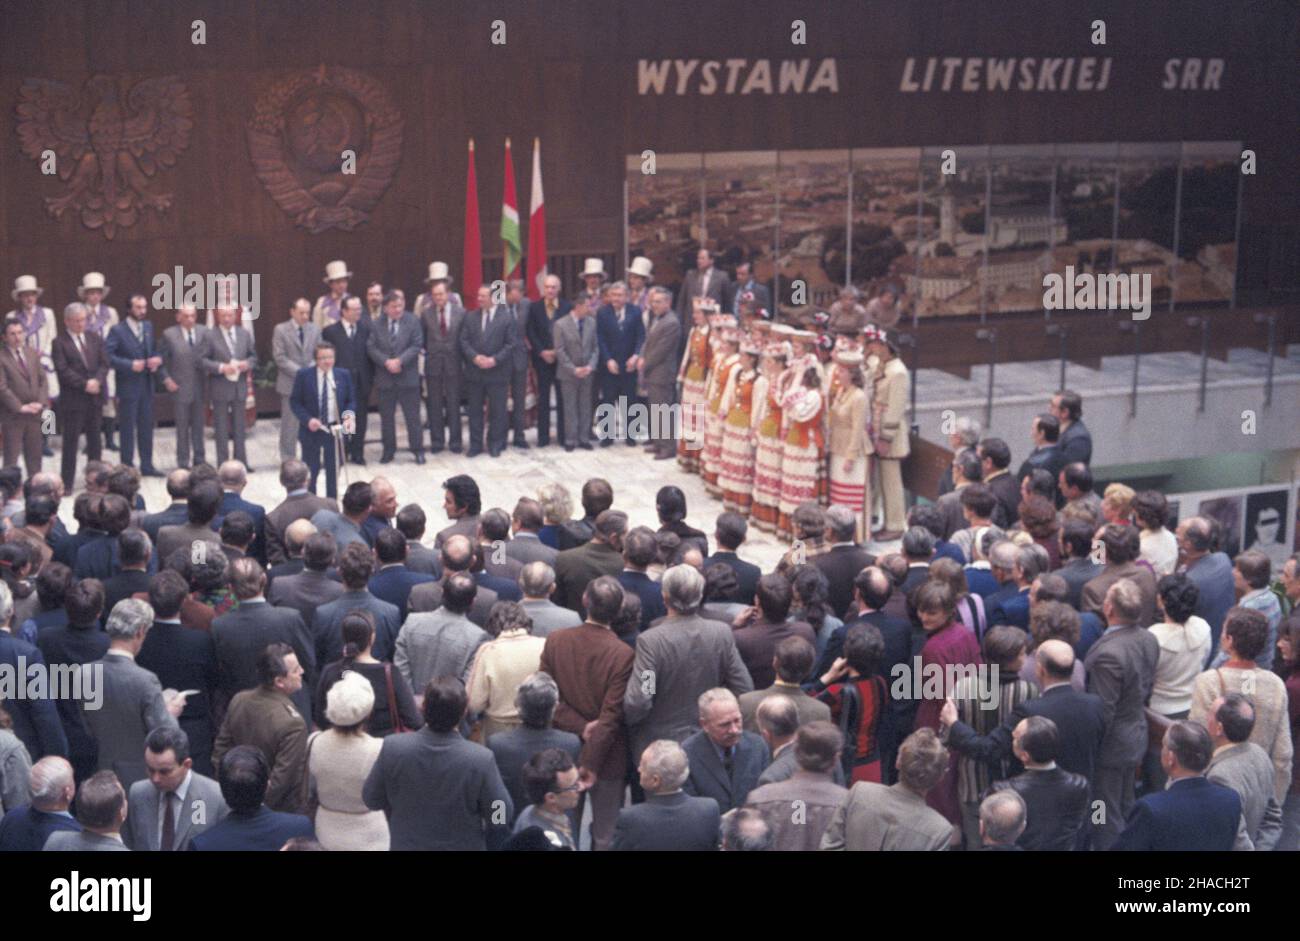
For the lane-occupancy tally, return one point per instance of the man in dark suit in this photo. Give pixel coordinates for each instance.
(441, 323)
(234, 479)
(670, 506)
(299, 504)
(1046, 431)
(1056, 799)
(1077, 566)
(1122, 545)
(769, 625)
(705, 281)
(244, 777)
(133, 551)
(229, 357)
(639, 551)
(726, 761)
(35, 718)
(843, 559)
(537, 700)
(995, 459)
(394, 581)
(488, 336)
(1210, 571)
(135, 359)
(542, 316)
(394, 349)
(244, 632)
(603, 555)
(670, 818)
(178, 488)
(24, 397)
(526, 546)
(24, 829)
(323, 399)
(517, 304)
(81, 365)
(184, 349)
(350, 337)
(410, 522)
(356, 566)
(658, 370)
(745, 285)
(182, 659)
(1121, 670)
(1075, 440)
(176, 803)
(310, 588)
(620, 336)
(1191, 813)
(439, 791)
(1012, 607)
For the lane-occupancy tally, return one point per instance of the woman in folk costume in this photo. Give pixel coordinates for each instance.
(727, 361)
(848, 445)
(39, 331)
(329, 307)
(100, 318)
(737, 477)
(694, 376)
(803, 413)
(766, 421)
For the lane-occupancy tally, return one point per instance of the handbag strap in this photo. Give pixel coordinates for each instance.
(392, 699)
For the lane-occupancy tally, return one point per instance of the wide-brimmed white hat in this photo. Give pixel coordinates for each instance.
(349, 701)
(336, 270)
(848, 357)
(641, 266)
(24, 283)
(593, 266)
(438, 271)
(93, 281)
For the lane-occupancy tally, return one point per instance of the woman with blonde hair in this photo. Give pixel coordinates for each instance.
(849, 445)
(338, 762)
(1117, 504)
(557, 509)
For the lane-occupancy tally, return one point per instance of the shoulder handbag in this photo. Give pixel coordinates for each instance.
(310, 800)
(392, 700)
(850, 709)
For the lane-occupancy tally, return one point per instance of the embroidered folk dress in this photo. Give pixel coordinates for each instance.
(767, 454)
(714, 418)
(801, 454)
(737, 476)
(849, 453)
(694, 377)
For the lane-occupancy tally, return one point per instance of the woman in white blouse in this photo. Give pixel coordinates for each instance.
(1159, 545)
(1184, 640)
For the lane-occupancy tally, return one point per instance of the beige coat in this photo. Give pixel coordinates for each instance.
(889, 416)
(848, 420)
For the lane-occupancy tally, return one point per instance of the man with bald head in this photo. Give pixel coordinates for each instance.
(26, 828)
(295, 542)
(1210, 571)
(383, 507)
(234, 478)
(178, 488)
(299, 503)
(457, 555)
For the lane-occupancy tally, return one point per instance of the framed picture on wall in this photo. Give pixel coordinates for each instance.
(1227, 512)
(1267, 515)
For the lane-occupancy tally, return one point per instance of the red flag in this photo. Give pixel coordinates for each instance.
(536, 228)
(473, 265)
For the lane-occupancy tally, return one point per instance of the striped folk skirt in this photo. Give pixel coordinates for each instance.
(711, 462)
(767, 483)
(849, 488)
(688, 444)
(737, 475)
(800, 476)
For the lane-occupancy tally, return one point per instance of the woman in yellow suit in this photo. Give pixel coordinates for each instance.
(849, 446)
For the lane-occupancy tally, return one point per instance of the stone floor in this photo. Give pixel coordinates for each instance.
(634, 476)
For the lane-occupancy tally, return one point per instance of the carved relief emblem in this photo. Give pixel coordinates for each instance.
(105, 151)
(303, 129)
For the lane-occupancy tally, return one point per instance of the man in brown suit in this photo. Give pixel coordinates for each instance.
(659, 361)
(298, 504)
(1121, 544)
(591, 666)
(82, 368)
(24, 397)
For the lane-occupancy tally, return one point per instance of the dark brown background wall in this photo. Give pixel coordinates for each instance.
(568, 74)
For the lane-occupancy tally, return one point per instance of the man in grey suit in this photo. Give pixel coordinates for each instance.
(101, 811)
(726, 761)
(442, 368)
(411, 522)
(184, 375)
(537, 581)
(457, 556)
(659, 362)
(229, 357)
(576, 356)
(311, 588)
(1121, 669)
(526, 523)
(293, 346)
(128, 702)
(1242, 765)
(394, 347)
(488, 337)
(809, 785)
(676, 662)
(299, 503)
(537, 698)
(670, 819)
(517, 304)
(705, 281)
(200, 509)
(439, 791)
(356, 566)
(441, 642)
(176, 802)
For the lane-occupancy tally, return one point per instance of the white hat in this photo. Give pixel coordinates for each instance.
(593, 266)
(642, 266)
(93, 281)
(24, 283)
(336, 270)
(349, 701)
(438, 271)
(848, 357)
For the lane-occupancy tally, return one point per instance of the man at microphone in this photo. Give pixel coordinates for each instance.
(323, 399)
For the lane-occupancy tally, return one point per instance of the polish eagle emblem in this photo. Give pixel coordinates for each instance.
(105, 150)
(326, 144)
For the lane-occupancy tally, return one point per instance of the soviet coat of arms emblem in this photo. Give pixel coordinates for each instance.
(104, 149)
(301, 133)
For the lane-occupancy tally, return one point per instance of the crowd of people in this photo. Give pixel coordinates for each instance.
(1036, 666)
